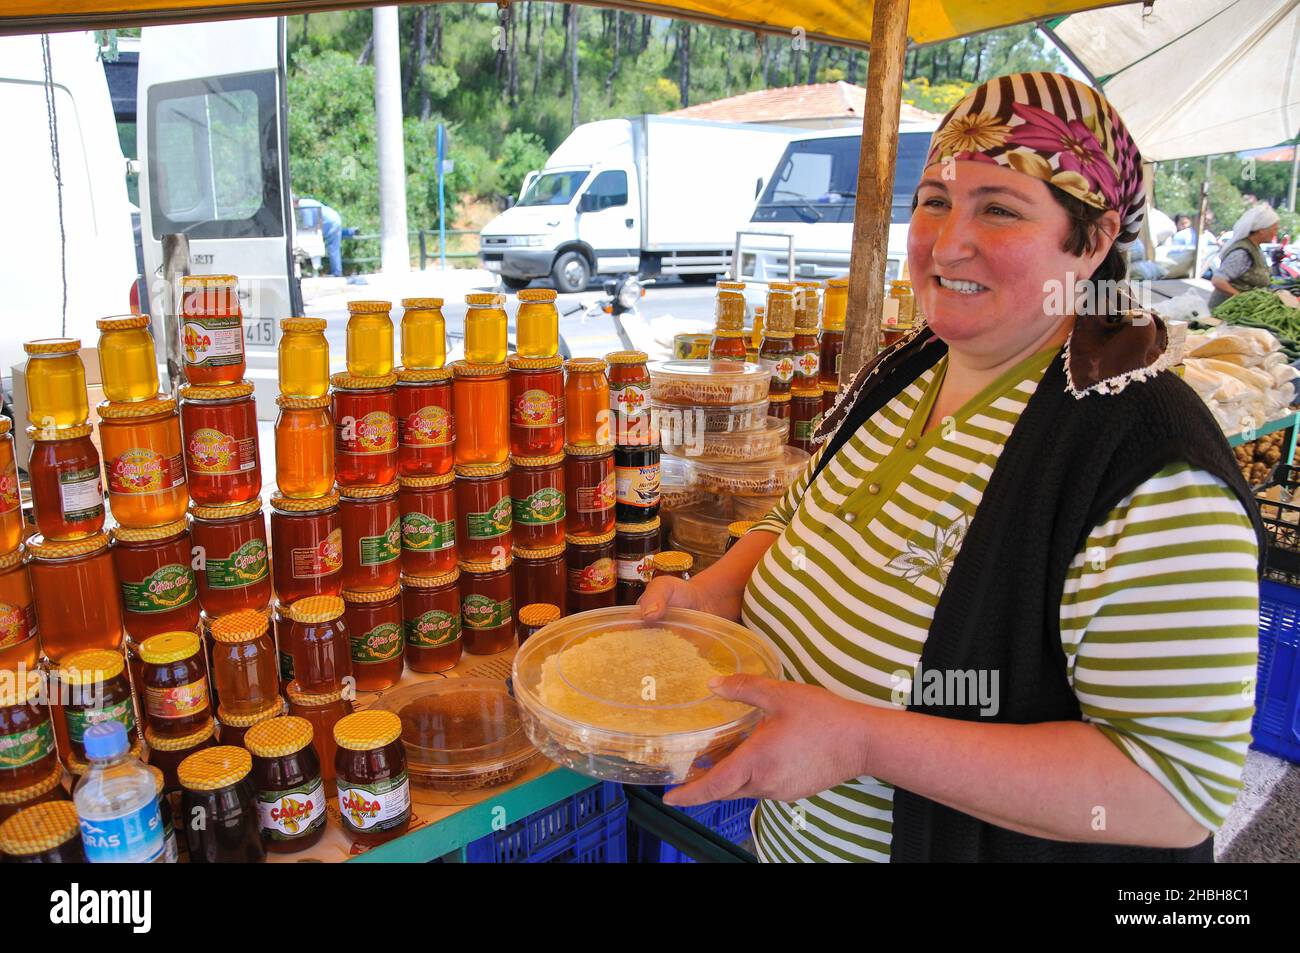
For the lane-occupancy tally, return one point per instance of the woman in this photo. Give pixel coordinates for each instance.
(1242, 266)
(1015, 593)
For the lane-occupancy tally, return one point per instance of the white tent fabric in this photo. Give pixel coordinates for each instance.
(1194, 77)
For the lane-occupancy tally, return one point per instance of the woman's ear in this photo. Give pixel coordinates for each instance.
(1104, 232)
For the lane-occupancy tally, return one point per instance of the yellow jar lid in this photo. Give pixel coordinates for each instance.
(216, 391)
(780, 286)
(47, 346)
(466, 369)
(724, 333)
(584, 365)
(316, 609)
(426, 482)
(423, 375)
(672, 560)
(271, 709)
(729, 285)
(598, 540)
(837, 282)
(431, 582)
(538, 614)
(51, 434)
(128, 410)
(314, 504)
(39, 828)
(226, 512)
(214, 768)
(124, 534)
(169, 647)
(89, 666)
(475, 471)
(544, 552)
(536, 294)
(367, 730)
(778, 398)
(482, 299)
(311, 699)
(242, 626)
(41, 548)
(10, 560)
(830, 388)
(739, 528)
(79, 766)
(635, 529)
(346, 381)
(6, 425)
(125, 322)
(778, 335)
(304, 403)
(181, 743)
(357, 597)
(517, 363)
(35, 790)
(369, 307)
(806, 391)
(421, 304)
(627, 357)
(303, 324)
(588, 449)
(208, 281)
(367, 492)
(488, 565)
(278, 737)
(547, 461)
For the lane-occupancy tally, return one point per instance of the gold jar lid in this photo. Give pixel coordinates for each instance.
(311, 699)
(423, 375)
(477, 471)
(216, 391)
(239, 510)
(367, 492)
(837, 282)
(89, 666)
(466, 369)
(41, 548)
(588, 449)
(536, 294)
(303, 324)
(195, 738)
(547, 461)
(672, 560)
(303, 403)
(430, 582)
(314, 504)
(633, 529)
(597, 540)
(778, 398)
(51, 434)
(367, 730)
(169, 647)
(780, 287)
(271, 709)
(517, 363)
(482, 566)
(125, 322)
(45, 347)
(35, 790)
(369, 307)
(484, 299)
(149, 534)
(584, 365)
(6, 425)
(627, 357)
(421, 304)
(316, 609)
(830, 388)
(346, 381)
(807, 283)
(10, 560)
(729, 285)
(209, 281)
(544, 552)
(426, 482)
(39, 828)
(357, 597)
(278, 737)
(739, 528)
(806, 392)
(214, 768)
(778, 335)
(128, 410)
(537, 614)
(242, 626)
(724, 333)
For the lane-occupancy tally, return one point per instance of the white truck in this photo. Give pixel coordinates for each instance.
(648, 193)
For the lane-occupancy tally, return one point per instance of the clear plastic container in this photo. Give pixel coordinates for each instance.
(753, 507)
(117, 801)
(708, 382)
(701, 528)
(680, 422)
(585, 706)
(739, 446)
(766, 478)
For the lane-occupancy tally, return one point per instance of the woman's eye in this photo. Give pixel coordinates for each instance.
(934, 203)
(1001, 212)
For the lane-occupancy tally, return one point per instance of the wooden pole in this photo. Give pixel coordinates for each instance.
(875, 185)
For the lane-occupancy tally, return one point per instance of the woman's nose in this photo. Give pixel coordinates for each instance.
(953, 242)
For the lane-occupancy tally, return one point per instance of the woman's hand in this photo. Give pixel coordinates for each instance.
(665, 591)
(810, 740)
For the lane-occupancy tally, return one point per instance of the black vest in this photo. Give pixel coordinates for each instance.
(1067, 463)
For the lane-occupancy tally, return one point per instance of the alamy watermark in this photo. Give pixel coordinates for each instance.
(947, 688)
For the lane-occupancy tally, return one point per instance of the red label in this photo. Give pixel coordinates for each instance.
(598, 498)
(600, 576)
(209, 451)
(17, 624)
(178, 702)
(427, 427)
(537, 408)
(322, 560)
(376, 432)
(9, 491)
(140, 470)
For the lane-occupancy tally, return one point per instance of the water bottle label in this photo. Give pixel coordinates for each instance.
(128, 838)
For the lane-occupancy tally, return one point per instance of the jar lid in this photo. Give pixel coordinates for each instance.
(672, 560)
(47, 346)
(42, 548)
(724, 333)
(584, 364)
(50, 434)
(39, 828)
(311, 699)
(729, 285)
(473, 471)
(544, 552)
(214, 768)
(357, 597)
(425, 482)
(778, 335)
(124, 410)
(807, 283)
(634, 529)
(496, 564)
(588, 449)
(430, 582)
(242, 626)
(369, 307)
(311, 504)
(536, 294)
(195, 738)
(169, 647)
(316, 609)
(739, 528)
(304, 403)
(271, 709)
(367, 492)
(627, 357)
(901, 283)
(837, 282)
(278, 737)
(208, 281)
(423, 375)
(537, 614)
(6, 425)
(367, 730)
(216, 391)
(483, 299)
(35, 790)
(814, 391)
(126, 534)
(780, 286)
(421, 303)
(830, 388)
(10, 560)
(126, 322)
(90, 666)
(466, 369)
(517, 363)
(778, 398)
(345, 381)
(226, 512)
(303, 324)
(547, 461)
(598, 540)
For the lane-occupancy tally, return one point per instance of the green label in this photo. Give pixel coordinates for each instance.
(380, 644)
(433, 628)
(246, 565)
(543, 507)
(495, 522)
(286, 667)
(79, 719)
(297, 812)
(26, 747)
(803, 429)
(484, 612)
(425, 534)
(376, 550)
(166, 588)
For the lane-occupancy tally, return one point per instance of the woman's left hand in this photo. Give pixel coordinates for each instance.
(809, 740)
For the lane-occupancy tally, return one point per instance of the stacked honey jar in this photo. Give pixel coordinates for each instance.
(636, 475)
(834, 307)
(805, 384)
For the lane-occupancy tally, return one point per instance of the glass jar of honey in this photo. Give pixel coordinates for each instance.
(11, 512)
(481, 396)
(636, 481)
(535, 617)
(485, 328)
(18, 644)
(736, 529)
(426, 422)
(428, 508)
(779, 314)
(778, 406)
(900, 291)
(755, 337)
(374, 622)
(372, 536)
(92, 686)
(56, 384)
(728, 346)
(807, 305)
(374, 792)
(143, 461)
(304, 446)
(159, 591)
(216, 785)
(307, 547)
(128, 362)
(365, 429)
(629, 398)
(486, 606)
(166, 753)
(370, 339)
(586, 403)
(44, 791)
(235, 727)
(244, 664)
(593, 573)
(304, 355)
(78, 603)
(47, 833)
(212, 330)
(537, 323)
(777, 358)
(834, 308)
(219, 425)
(322, 711)
(805, 415)
(590, 489)
(635, 545)
(537, 498)
(67, 490)
(830, 394)
(235, 572)
(729, 309)
(536, 406)
(288, 781)
(319, 644)
(27, 750)
(431, 621)
(176, 697)
(424, 334)
(484, 514)
(540, 575)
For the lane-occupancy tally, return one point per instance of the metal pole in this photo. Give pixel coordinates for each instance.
(395, 252)
(1201, 207)
(176, 264)
(1295, 174)
(442, 208)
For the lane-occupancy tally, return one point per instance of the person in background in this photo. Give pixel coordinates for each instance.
(332, 232)
(1242, 266)
(1185, 237)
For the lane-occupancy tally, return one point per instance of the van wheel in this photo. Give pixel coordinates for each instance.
(571, 273)
(516, 284)
(697, 279)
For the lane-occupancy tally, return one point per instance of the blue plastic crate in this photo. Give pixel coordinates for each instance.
(1276, 727)
(727, 819)
(589, 827)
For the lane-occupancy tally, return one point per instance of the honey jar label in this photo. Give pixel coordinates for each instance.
(384, 548)
(598, 498)
(540, 508)
(79, 719)
(803, 429)
(495, 522)
(484, 612)
(537, 408)
(781, 368)
(432, 629)
(286, 667)
(638, 486)
(374, 807)
(213, 453)
(807, 364)
(81, 495)
(245, 566)
(599, 576)
(166, 588)
(26, 747)
(636, 570)
(323, 559)
(212, 341)
(376, 432)
(297, 812)
(180, 701)
(629, 400)
(17, 623)
(125, 838)
(140, 470)
(424, 534)
(430, 426)
(9, 498)
(380, 644)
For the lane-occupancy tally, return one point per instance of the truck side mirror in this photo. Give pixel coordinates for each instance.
(758, 186)
(586, 202)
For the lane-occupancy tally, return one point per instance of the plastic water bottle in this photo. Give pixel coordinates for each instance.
(117, 801)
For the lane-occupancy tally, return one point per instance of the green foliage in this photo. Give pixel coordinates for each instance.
(936, 99)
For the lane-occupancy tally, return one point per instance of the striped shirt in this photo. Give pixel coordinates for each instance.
(1158, 617)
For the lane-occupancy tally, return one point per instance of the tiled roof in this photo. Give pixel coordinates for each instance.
(789, 103)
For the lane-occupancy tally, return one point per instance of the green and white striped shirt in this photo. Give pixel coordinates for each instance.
(1158, 618)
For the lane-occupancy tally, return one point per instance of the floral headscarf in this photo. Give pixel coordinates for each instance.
(1053, 128)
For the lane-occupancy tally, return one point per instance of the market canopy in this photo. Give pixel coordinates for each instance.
(1194, 77)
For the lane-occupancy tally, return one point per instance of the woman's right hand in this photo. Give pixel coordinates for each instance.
(666, 591)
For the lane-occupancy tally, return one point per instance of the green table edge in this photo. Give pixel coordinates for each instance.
(1282, 423)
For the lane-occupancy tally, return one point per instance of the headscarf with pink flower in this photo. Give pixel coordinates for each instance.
(1055, 129)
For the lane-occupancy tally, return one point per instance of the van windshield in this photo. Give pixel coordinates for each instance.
(817, 179)
(554, 188)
